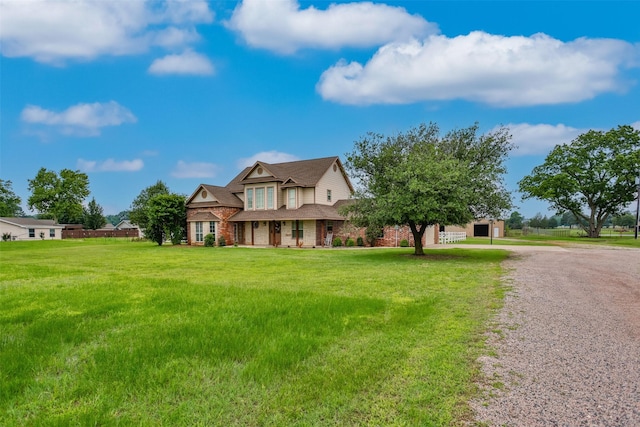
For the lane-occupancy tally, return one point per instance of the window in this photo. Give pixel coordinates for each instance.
(269, 197)
(259, 198)
(292, 198)
(329, 226)
(328, 195)
(52, 232)
(297, 232)
(250, 198)
(212, 227)
(199, 237)
(32, 232)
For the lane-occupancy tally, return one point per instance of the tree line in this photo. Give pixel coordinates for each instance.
(567, 219)
(419, 177)
(60, 196)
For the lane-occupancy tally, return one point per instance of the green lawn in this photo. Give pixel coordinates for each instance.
(104, 332)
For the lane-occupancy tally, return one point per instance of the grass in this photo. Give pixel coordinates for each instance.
(108, 332)
(603, 240)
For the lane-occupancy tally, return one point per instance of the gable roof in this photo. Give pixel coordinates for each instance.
(223, 196)
(301, 173)
(30, 222)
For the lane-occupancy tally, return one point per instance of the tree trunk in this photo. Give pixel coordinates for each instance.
(417, 237)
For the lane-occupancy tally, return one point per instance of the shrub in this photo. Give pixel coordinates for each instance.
(404, 243)
(6, 237)
(360, 241)
(222, 241)
(349, 242)
(209, 240)
(337, 242)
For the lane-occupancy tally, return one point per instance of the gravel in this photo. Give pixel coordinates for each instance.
(567, 341)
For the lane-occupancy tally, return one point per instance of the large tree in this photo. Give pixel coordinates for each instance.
(139, 214)
(166, 218)
(93, 216)
(59, 196)
(593, 177)
(421, 178)
(9, 202)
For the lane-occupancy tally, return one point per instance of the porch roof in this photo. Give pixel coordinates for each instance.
(309, 211)
(203, 216)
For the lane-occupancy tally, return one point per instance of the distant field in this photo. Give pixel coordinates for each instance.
(105, 332)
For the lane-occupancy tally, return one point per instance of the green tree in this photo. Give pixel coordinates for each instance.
(9, 202)
(626, 219)
(120, 216)
(166, 218)
(59, 196)
(93, 216)
(538, 221)
(139, 210)
(592, 177)
(421, 179)
(515, 221)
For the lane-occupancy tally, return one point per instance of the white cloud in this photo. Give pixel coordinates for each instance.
(80, 119)
(54, 31)
(541, 138)
(497, 70)
(195, 170)
(283, 27)
(188, 62)
(636, 125)
(267, 157)
(110, 165)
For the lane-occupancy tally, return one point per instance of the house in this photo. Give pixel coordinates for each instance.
(125, 224)
(14, 228)
(293, 204)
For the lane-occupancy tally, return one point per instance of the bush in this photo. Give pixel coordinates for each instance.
(349, 243)
(222, 241)
(209, 240)
(6, 237)
(360, 241)
(337, 242)
(404, 243)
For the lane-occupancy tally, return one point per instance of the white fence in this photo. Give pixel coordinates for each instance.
(451, 236)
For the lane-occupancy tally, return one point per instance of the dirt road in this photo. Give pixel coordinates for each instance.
(567, 341)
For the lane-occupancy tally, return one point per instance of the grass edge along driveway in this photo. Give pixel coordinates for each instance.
(110, 332)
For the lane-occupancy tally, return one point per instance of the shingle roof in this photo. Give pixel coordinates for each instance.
(31, 222)
(224, 196)
(305, 173)
(203, 216)
(309, 211)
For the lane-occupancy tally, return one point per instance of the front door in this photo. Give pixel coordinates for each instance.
(274, 233)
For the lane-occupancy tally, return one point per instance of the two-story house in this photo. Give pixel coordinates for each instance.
(288, 204)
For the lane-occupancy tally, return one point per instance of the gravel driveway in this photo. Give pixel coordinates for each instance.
(567, 341)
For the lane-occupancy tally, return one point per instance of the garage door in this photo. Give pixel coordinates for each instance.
(481, 230)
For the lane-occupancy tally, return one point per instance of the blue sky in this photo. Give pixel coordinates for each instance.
(189, 92)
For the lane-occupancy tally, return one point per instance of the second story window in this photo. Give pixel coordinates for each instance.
(260, 198)
(250, 198)
(328, 195)
(291, 197)
(269, 197)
